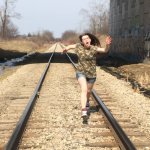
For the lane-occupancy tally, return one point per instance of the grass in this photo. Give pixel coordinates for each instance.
(18, 45)
(140, 72)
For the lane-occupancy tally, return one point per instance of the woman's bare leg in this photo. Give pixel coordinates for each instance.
(89, 89)
(83, 84)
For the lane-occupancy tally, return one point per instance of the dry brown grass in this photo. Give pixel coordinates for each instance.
(18, 45)
(21, 45)
(144, 79)
(139, 72)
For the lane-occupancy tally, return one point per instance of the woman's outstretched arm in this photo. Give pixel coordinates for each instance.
(69, 47)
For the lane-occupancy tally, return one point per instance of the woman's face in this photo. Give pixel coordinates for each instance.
(86, 41)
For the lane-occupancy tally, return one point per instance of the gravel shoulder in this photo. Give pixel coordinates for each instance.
(134, 105)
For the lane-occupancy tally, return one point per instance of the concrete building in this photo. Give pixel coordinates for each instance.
(130, 28)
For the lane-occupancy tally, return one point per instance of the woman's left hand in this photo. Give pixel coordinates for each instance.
(108, 40)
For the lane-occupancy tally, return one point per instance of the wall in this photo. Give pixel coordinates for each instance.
(130, 29)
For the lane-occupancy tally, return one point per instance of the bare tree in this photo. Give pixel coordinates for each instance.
(68, 34)
(97, 16)
(12, 30)
(47, 35)
(6, 13)
(42, 37)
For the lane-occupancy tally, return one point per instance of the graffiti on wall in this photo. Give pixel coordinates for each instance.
(147, 44)
(130, 49)
(131, 42)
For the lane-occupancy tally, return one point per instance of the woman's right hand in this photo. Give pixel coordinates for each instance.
(67, 48)
(64, 50)
(108, 40)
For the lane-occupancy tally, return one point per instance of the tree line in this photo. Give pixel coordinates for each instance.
(95, 20)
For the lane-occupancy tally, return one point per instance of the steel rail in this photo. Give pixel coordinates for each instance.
(124, 142)
(13, 143)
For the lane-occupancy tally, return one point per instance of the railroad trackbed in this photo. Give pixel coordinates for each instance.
(45, 113)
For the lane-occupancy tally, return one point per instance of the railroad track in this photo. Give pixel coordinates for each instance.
(55, 121)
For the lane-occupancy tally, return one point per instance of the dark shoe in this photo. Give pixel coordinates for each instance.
(88, 112)
(85, 119)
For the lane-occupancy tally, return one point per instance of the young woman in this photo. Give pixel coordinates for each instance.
(86, 69)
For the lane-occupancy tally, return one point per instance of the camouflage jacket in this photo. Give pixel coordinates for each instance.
(86, 60)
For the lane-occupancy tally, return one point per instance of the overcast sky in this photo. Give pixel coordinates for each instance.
(56, 16)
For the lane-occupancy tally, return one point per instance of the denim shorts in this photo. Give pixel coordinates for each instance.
(89, 80)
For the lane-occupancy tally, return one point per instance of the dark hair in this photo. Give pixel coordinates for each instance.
(94, 40)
